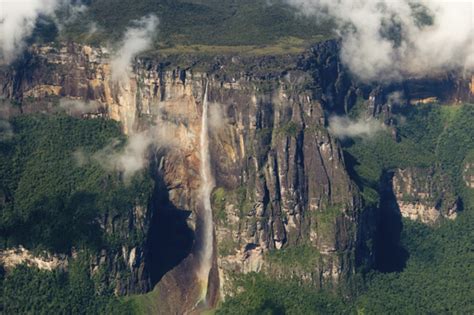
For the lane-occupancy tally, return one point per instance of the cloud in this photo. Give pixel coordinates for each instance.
(217, 119)
(389, 40)
(134, 156)
(78, 107)
(128, 160)
(17, 21)
(396, 98)
(136, 40)
(343, 127)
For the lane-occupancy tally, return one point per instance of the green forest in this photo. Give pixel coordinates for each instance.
(194, 22)
(51, 196)
(50, 179)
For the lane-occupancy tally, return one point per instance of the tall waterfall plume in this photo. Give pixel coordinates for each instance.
(207, 184)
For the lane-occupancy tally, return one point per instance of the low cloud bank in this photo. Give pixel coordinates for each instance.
(131, 159)
(389, 40)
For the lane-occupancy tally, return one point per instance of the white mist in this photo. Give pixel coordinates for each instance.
(207, 184)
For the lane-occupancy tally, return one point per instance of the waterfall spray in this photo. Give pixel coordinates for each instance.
(207, 184)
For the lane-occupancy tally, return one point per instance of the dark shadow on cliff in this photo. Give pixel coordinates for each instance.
(390, 255)
(57, 223)
(351, 163)
(170, 240)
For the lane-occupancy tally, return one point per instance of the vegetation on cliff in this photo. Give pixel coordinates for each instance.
(262, 295)
(32, 291)
(52, 192)
(438, 279)
(53, 196)
(428, 135)
(436, 275)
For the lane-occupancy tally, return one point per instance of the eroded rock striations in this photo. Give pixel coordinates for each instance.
(281, 180)
(423, 194)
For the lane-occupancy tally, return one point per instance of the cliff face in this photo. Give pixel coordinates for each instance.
(126, 266)
(281, 181)
(280, 177)
(424, 195)
(121, 267)
(383, 99)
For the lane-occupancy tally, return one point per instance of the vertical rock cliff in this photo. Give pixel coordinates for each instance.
(424, 195)
(280, 178)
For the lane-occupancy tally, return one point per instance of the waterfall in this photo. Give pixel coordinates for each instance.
(207, 184)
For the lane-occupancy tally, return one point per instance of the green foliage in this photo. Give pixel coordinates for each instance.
(242, 196)
(198, 22)
(52, 198)
(52, 194)
(456, 142)
(45, 30)
(438, 278)
(32, 291)
(239, 197)
(429, 134)
(289, 129)
(267, 296)
(218, 204)
(227, 246)
(304, 256)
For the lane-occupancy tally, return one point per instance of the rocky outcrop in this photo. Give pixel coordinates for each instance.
(125, 263)
(290, 189)
(424, 195)
(10, 258)
(122, 265)
(383, 99)
(281, 180)
(468, 172)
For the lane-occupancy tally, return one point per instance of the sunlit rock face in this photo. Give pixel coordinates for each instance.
(10, 258)
(424, 195)
(280, 177)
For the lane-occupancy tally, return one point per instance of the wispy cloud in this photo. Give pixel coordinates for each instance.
(136, 39)
(343, 127)
(78, 107)
(128, 160)
(134, 156)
